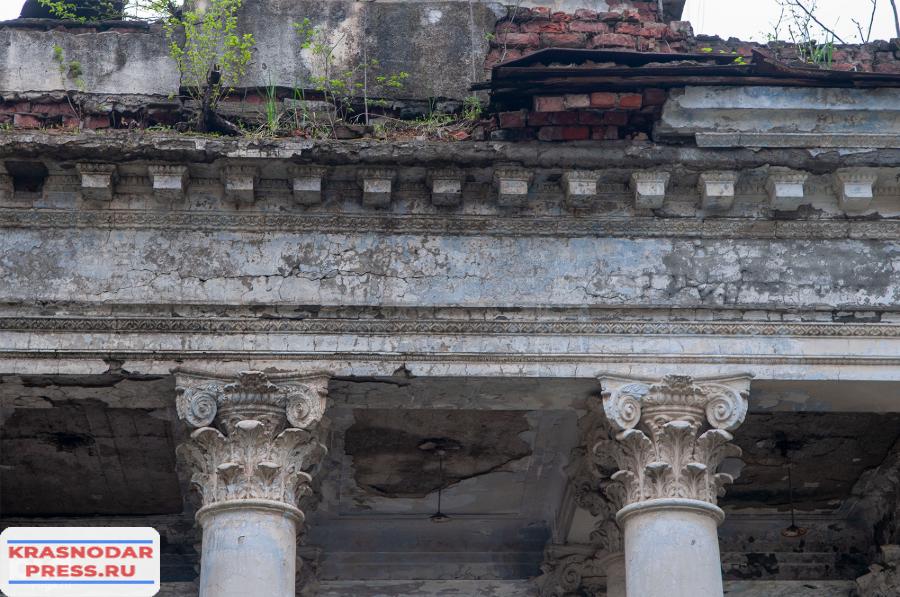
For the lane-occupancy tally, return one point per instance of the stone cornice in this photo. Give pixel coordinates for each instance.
(178, 148)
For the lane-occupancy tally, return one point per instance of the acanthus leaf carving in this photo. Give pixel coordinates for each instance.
(572, 574)
(253, 454)
(592, 463)
(674, 434)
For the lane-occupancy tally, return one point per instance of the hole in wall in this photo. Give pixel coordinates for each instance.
(28, 177)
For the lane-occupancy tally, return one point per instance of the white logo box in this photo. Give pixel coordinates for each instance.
(79, 562)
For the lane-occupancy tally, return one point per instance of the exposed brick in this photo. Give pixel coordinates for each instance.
(887, 67)
(655, 97)
(612, 40)
(616, 118)
(576, 133)
(648, 7)
(586, 14)
(540, 12)
(549, 103)
(513, 120)
(610, 17)
(518, 40)
(562, 40)
(590, 117)
(564, 133)
(630, 101)
(655, 30)
(541, 118)
(21, 107)
(561, 17)
(512, 54)
(543, 27)
(679, 30)
(553, 118)
(96, 122)
(577, 100)
(603, 99)
(599, 133)
(628, 28)
(550, 133)
(506, 27)
(588, 27)
(22, 120)
(646, 44)
(493, 56)
(565, 117)
(54, 109)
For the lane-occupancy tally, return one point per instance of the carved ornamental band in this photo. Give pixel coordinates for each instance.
(257, 436)
(674, 433)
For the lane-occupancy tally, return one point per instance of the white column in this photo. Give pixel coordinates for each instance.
(251, 459)
(247, 546)
(673, 435)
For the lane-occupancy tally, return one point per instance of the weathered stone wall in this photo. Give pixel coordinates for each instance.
(441, 44)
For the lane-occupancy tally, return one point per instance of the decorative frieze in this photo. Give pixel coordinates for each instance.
(97, 181)
(307, 184)
(240, 183)
(785, 188)
(580, 187)
(674, 433)
(649, 189)
(169, 180)
(376, 186)
(717, 190)
(512, 186)
(446, 187)
(855, 188)
(256, 437)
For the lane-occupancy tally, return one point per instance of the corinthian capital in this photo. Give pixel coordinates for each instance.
(674, 433)
(257, 436)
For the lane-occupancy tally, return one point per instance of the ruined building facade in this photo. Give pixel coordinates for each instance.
(604, 342)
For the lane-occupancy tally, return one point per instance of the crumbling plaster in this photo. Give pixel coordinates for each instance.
(357, 269)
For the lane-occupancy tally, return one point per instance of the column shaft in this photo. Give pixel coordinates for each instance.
(248, 551)
(672, 549)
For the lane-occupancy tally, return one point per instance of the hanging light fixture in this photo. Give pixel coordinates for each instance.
(792, 531)
(439, 447)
